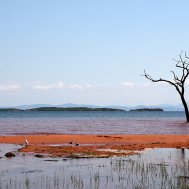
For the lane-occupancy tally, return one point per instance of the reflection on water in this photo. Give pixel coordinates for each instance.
(93, 123)
(157, 168)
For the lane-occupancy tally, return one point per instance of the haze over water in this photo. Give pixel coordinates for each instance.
(14, 123)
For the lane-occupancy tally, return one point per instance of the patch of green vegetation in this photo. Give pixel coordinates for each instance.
(73, 109)
(10, 109)
(61, 109)
(147, 109)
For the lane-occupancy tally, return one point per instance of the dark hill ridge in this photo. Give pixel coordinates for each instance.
(166, 107)
(11, 109)
(147, 109)
(61, 109)
(72, 109)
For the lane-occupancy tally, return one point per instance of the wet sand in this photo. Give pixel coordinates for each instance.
(96, 145)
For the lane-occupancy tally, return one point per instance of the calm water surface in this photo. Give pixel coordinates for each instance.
(13, 123)
(152, 169)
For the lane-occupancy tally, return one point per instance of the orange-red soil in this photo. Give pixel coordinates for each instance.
(40, 143)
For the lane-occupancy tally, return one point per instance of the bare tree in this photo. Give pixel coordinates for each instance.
(178, 81)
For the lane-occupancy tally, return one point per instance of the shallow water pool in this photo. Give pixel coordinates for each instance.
(152, 168)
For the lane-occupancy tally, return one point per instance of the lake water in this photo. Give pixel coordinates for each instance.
(13, 123)
(153, 168)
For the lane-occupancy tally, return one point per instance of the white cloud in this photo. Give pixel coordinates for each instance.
(76, 86)
(9, 87)
(43, 87)
(128, 84)
(59, 85)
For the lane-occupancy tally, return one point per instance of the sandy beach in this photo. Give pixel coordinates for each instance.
(90, 144)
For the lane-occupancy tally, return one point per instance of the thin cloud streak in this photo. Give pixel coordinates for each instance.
(76, 86)
(61, 85)
(128, 84)
(9, 88)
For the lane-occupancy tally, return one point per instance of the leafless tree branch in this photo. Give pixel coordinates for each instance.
(178, 82)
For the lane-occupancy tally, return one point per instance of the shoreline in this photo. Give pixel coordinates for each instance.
(96, 139)
(95, 146)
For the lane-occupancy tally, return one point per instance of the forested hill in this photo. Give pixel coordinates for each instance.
(148, 109)
(72, 109)
(10, 109)
(60, 109)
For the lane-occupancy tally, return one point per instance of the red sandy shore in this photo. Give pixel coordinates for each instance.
(171, 140)
(40, 143)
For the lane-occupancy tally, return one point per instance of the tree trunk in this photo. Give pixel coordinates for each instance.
(185, 107)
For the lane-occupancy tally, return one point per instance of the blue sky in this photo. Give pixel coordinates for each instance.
(90, 52)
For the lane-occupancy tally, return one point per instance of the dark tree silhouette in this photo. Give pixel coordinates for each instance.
(178, 81)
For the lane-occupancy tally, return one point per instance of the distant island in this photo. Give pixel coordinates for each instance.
(11, 109)
(73, 109)
(148, 110)
(165, 107)
(61, 109)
